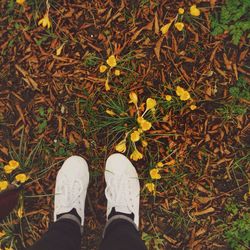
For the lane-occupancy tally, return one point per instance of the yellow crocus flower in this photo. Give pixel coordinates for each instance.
(59, 50)
(154, 173)
(179, 26)
(151, 187)
(111, 61)
(194, 11)
(179, 90)
(165, 28)
(135, 136)
(21, 2)
(107, 87)
(117, 72)
(145, 125)
(151, 103)
(133, 98)
(45, 21)
(121, 146)
(193, 107)
(185, 96)
(103, 68)
(3, 185)
(14, 163)
(160, 164)
(168, 98)
(21, 178)
(136, 155)
(8, 169)
(181, 11)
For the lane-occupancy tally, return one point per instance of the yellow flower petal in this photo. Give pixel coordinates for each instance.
(194, 11)
(179, 90)
(145, 125)
(117, 72)
(121, 146)
(107, 87)
(2, 233)
(181, 11)
(179, 26)
(160, 164)
(154, 173)
(8, 248)
(168, 98)
(135, 136)
(193, 107)
(165, 28)
(45, 21)
(151, 103)
(136, 155)
(3, 185)
(8, 169)
(111, 61)
(140, 120)
(21, 2)
(144, 143)
(21, 178)
(14, 163)
(150, 186)
(185, 96)
(133, 98)
(110, 112)
(59, 50)
(20, 212)
(140, 130)
(103, 68)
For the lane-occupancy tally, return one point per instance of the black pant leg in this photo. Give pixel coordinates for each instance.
(64, 234)
(122, 235)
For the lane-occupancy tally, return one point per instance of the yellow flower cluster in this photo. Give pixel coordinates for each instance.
(155, 175)
(179, 25)
(136, 133)
(8, 169)
(183, 94)
(111, 62)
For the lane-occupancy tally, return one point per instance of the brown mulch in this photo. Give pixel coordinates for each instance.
(190, 201)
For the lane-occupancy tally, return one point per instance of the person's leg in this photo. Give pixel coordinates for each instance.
(64, 234)
(70, 194)
(123, 198)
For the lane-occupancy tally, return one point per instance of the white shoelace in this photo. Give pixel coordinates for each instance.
(66, 196)
(115, 190)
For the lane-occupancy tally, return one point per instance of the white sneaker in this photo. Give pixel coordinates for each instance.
(123, 187)
(71, 187)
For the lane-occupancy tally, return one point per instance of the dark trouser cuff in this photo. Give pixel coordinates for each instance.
(118, 217)
(73, 218)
